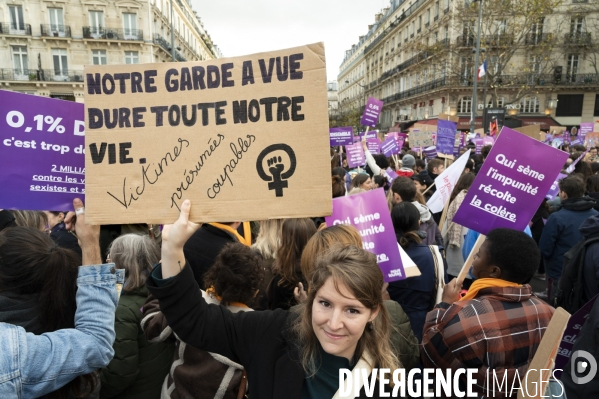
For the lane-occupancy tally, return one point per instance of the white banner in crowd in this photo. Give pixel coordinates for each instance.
(445, 183)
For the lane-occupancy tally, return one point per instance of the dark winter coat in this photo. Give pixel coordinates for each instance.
(260, 341)
(590, 229)
(562, 232)
(138, 367)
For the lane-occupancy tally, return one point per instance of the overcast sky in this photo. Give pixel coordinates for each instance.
(240, 27)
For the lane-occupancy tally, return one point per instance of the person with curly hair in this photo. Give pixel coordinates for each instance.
(233, 282)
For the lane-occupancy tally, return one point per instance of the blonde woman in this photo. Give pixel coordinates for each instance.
(266, 245)
(286, 354)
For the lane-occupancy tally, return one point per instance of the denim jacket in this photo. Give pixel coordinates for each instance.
(34, 365)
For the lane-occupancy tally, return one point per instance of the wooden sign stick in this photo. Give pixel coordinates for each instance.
(443, 215)
(468, 262)
(428, 188)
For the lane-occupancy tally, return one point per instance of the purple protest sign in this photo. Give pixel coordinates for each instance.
(372, 110)
(357, 139)
(445, 136)
(570, 335)
(341, 136)
(570, 168)
(355, 155)
(488, 141)
(374, 145)
(390, 147)
(430, 152)
(369, 213)
(391, 175)
(478, 143)
(554, 190)
(42, 166)
(585, 127)
(576, 142)
(511, 184)
(371, 134)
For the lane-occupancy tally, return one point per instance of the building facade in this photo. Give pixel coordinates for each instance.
(333, 98)
(44, 45)
(418, 58)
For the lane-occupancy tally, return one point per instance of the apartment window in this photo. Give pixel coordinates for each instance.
(596, 112)
(572, 67)
(569, 105)
(96, 23)
(17, 23)
(131, 57)
(19, 62)
(537, 27)
(436, 8)
(500, 102)
(465, 105)
(466, 66)
(99, 57)
(130, 25)
(56, 21)
(61, 67)
(419, 22)
(446, 35)
(427, 16)
(529, 105)
(576, 25)
(446, 4)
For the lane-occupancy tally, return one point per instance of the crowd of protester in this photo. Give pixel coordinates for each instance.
(275, 308)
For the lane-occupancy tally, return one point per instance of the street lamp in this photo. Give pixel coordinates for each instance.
(476, 61)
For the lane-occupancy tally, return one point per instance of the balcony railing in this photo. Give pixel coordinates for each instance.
(577, 39)
(42, 75)
(98, 32)
(56, 30)
(161, 41)
(537, 38)
(466, 40)
(12, 28)
(497, 40)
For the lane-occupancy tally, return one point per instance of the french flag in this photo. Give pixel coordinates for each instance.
(482, 70)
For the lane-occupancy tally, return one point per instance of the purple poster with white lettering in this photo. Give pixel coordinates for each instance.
(372, 110)
(554, 190)
(446, 131)
(369, 213)
(341, 136)
(570, 336)
(511, 184)
(355, 155)
(478, 143)
(374, 145)
(585, 127)
(42, 161)
(390, 147)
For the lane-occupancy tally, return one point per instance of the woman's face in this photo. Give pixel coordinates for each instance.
(367, 185)
(339, 319)
(54, 220)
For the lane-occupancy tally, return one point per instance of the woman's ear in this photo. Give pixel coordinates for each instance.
(374, 313)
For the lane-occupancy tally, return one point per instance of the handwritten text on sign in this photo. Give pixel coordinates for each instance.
(510, 186)
(251, 128)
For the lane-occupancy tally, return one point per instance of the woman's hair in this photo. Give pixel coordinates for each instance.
(268, 239)
(137, 254)
(339, 171)
(32, 264)
(323, 240)
(359, 179)
(381, 181)
(464, 183)
(356, 270)
(236, 275)
(593, 184)
(595, 167)
(405, 217)
(35, 219)
(338, 186)
(584, 168)
(295, 234)
(381, 161)
(335, 159)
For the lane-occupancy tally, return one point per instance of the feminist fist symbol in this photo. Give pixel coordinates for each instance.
(278, 180)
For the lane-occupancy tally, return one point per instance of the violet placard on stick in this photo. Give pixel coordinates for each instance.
(511, 184)
(372, 110)
(341, 136)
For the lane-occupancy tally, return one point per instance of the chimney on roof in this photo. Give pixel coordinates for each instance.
(378, 17)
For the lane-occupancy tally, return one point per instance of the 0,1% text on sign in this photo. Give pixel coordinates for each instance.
(16, 120)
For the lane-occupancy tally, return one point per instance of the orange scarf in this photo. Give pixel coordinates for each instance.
(247, 240)
(212, 292)
(482, 283)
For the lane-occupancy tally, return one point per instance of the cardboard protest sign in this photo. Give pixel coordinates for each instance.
(591, 139)
(556, 130)
(248, 131)
(355, 155)
(532, 131)
(445, 183)
(341, 136)
(421, 139)
(374, 145)
(372, 110)
(511, 184)
(539, 370)
(446, 131)
(42, 166)
(368, 212)
(389, 147)
(573, 328)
